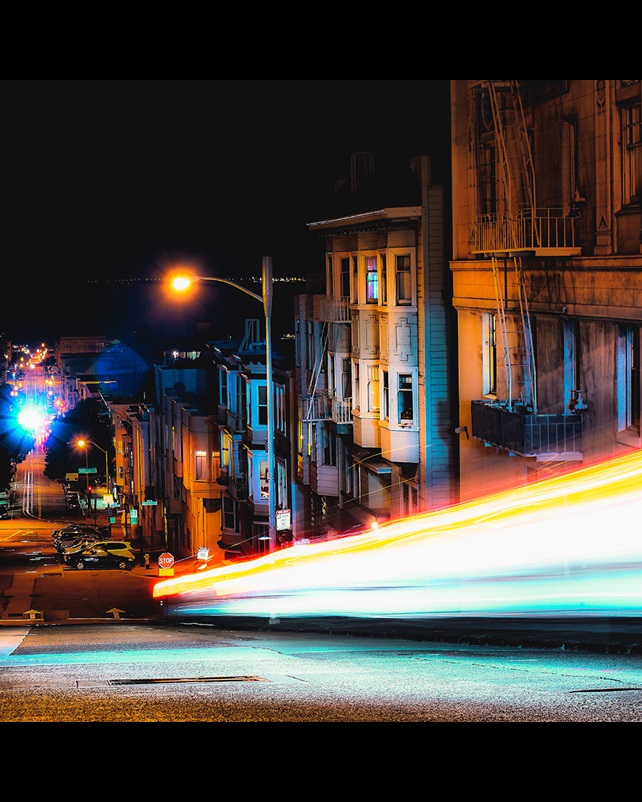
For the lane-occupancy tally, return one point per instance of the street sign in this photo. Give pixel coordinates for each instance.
(87, 470)
(283, 520)
(203, 553)
(148, 503)
(133, 516)
(165, 560)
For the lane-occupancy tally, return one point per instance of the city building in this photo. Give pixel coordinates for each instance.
(243, 424)
(546, 275)
(374, 373)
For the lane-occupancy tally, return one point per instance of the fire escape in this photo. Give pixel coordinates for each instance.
(511, 227)
(328, 403)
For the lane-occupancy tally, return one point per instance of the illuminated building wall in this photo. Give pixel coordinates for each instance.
(547, 251)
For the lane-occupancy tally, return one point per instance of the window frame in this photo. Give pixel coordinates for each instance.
(371, 275)
(631, 121)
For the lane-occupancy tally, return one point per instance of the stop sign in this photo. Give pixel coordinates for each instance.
(165, 560)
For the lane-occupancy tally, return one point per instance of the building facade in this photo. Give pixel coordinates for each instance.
(376, 410)
(546, 274)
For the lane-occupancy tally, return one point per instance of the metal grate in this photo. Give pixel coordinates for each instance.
(185, 679)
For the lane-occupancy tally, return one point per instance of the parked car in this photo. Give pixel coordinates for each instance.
(65, 537)
(103, 532)
(72, 501)
(96, 555)
(74, 542)
(118, 547)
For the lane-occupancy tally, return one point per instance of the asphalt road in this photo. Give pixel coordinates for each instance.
(169, 674)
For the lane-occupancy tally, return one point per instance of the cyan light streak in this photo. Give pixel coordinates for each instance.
(565, 546)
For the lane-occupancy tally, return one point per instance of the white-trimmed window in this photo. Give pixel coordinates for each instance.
(372, 280)
(385, 396)
(403, 279)
(229, 513)
(356, 400)
(373, 388)
(346, 377)
(384, 278)
(262, 405)
(279, 408)
(355, 280)
(345, 277)
(406, 404)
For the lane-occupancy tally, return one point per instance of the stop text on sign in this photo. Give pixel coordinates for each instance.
(165, 560)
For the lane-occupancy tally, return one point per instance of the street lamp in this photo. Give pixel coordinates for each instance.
(182, 283)
(84, 444)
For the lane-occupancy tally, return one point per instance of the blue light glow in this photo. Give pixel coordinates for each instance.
(32, 418)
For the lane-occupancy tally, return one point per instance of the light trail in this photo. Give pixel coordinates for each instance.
(565, 546)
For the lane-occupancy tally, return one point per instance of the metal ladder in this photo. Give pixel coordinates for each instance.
(518, 348)
(515, 158)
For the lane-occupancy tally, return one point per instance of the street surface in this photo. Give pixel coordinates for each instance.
(154, 673)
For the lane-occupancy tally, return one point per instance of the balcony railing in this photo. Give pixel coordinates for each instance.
(342, 410)
(323, 406)
(541, 230)
(546, 437)
(335, 310)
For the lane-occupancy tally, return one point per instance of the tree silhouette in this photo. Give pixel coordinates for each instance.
(85, 421)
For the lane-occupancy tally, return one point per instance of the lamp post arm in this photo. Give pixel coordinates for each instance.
(232, 284)
(106, 453)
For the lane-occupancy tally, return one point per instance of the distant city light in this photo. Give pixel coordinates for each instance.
(32, 418)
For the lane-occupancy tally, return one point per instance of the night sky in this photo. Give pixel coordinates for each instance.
(107, 183)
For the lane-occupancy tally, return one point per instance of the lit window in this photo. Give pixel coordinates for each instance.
(405, 399)
(372, 280)
(373, 388)
(629, 379)
(263, 479)
(200, 473)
